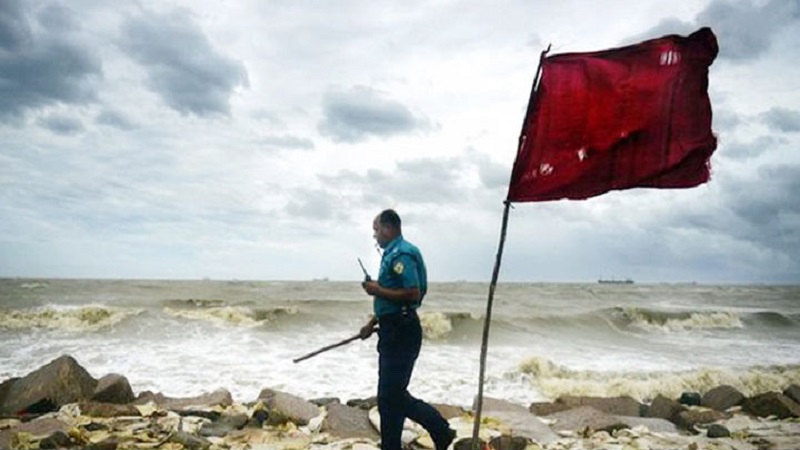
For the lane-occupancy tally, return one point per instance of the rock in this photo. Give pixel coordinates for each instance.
(665, 408)
(366, 404)
(466, 444)
(586, 418)
(653, 424)
(285, 407)
(59, 439)
(96, 409)
(523, 423)
(690, 399)
(793, 392)
(5, 386)
(36, 427)
(345, 422)
(620, 406)
(113, 388)
(105, 444)
(325, 401)
(258, 418)
(509, 443)
(223, 426)
(547, 408)
(493, 404)
(771, 404)
(46, 389)
(449, 411)
(717, 431)
(698, 416)
(722, 397)
(189, 441)
(220, 397)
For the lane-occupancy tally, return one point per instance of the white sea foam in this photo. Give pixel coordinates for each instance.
(231, 315)
(650, 321)
(554, 380)
(435, 325)
(89, 317)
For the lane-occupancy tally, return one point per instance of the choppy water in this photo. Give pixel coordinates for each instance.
(189, 337)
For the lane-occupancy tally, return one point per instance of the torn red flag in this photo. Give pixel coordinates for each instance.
(636, 116)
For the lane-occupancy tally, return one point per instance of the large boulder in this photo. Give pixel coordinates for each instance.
(620, 406)
(519, 419)
(5, 386)
(547, 408)
(793, 392)
(665, 408)
(698, 416)
(345, 422)
(285, 407)
(771, 404)
(722, 397)
(48, 388)
(585, 418)
(106, 410)
(113, 388)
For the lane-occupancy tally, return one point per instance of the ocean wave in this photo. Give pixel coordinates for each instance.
(84, 318)
(651, 320)
(553, 380)
(440, 325)
(232, 315)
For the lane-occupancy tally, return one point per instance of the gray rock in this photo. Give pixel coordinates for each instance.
(793, 392)
(665, 408)
(345, 422)
(37, 427)
(59, 439)
(5, 386)
(220, 397)
(620, 406)
(285, 407)
(224, 425)
(325, 401)
(653, 424)
(586, 418)
(189, 441)
(522, 423)
(547, 408)
(717, 431)
(449, 411)
(696, 416)
(509, 443)
(113, 388)
(46, 389)
(466, 444)
(722, 397)
(106, 410)
(363, 403)
(493, 404)
(771, 404)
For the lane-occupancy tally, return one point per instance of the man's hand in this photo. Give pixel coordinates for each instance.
(371, 287)
(367, 330)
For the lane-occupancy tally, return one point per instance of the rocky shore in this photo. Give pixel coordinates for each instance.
(60, 405)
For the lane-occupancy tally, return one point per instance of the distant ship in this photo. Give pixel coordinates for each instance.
(615, 281)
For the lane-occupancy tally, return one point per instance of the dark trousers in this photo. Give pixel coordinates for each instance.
(399, 341)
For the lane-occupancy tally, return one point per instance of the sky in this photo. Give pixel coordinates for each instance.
(257, 140)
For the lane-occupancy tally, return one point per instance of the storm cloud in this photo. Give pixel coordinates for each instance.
(182, 66)
(361, 112)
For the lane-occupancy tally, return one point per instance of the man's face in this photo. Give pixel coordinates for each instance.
(380, 233)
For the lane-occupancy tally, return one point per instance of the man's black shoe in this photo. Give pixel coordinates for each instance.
(445, 439)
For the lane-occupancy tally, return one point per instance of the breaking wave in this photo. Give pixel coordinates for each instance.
(554, 380)
(232, 315)
(650, 320)
(85, 318)
(441, 325)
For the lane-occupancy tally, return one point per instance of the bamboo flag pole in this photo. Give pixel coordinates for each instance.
(476, 427)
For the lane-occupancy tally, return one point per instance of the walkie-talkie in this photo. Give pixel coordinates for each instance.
(366, 275)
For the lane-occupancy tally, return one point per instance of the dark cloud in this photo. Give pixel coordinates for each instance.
(43, 60)
(60, 124)
(745, 29)
(356, 114)
(288, 142)
(115, 119)
(782, 119)
(182, 66)
(751, 149)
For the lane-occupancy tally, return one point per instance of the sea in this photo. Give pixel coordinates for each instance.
(185, 338)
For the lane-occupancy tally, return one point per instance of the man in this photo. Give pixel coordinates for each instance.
(398, 292)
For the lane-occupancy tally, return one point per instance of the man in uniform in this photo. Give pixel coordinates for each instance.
(398, 292)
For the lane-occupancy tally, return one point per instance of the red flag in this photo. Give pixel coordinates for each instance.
(636, 116)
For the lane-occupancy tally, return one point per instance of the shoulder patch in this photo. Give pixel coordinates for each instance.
(398, 268)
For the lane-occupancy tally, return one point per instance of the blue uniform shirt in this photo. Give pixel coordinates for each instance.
(401, 267)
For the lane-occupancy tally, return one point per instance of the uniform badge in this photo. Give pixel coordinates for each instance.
(398, 268)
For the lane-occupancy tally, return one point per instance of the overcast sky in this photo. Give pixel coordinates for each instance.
(257, 140)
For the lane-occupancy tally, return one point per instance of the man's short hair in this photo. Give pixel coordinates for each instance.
(390, 217)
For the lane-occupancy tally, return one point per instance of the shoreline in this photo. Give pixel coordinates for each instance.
(61, 406)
